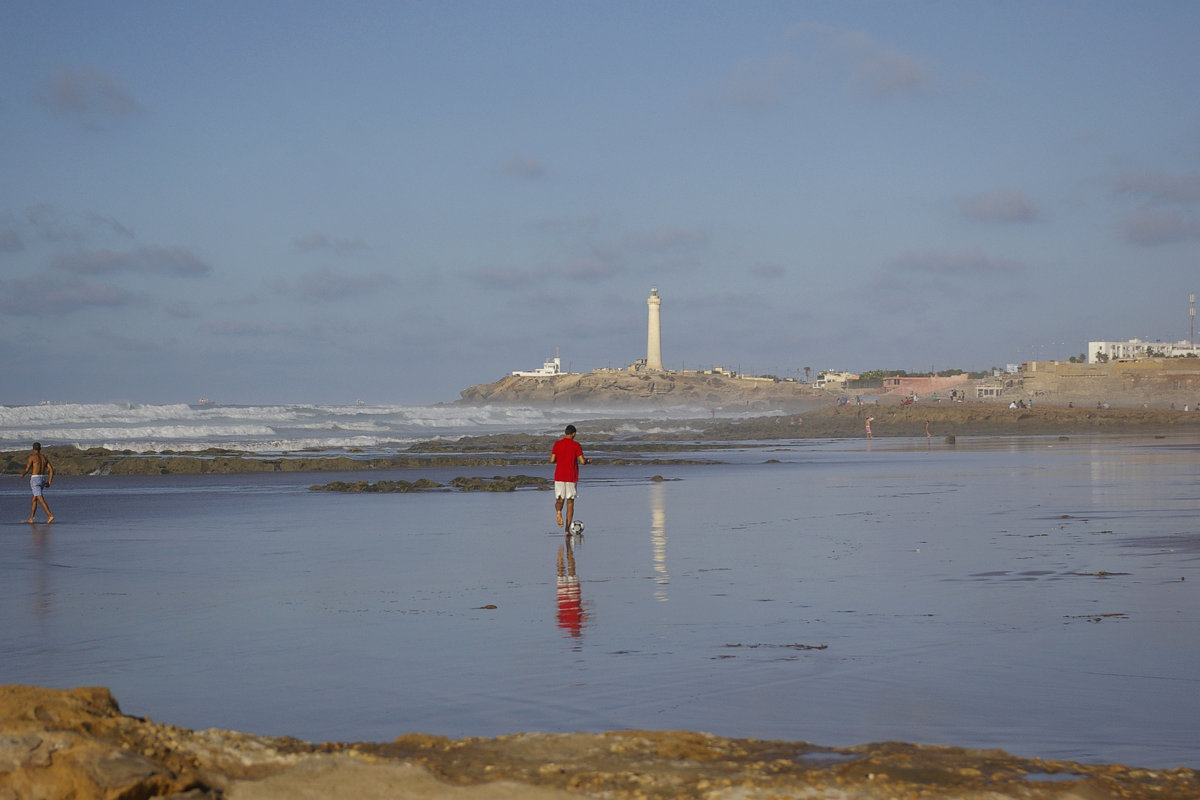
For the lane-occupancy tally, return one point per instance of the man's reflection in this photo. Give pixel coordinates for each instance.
(571, 616)
(43, 594)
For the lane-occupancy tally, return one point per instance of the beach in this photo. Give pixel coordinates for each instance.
(1032, 594)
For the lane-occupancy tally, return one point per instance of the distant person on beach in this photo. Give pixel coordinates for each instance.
(41, 473)
(566, 456)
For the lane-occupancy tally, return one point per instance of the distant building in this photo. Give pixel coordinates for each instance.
(921, 385)
(1134, 349)
(833, 379)
(552, 366)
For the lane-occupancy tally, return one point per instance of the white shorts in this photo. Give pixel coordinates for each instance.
(567, 490)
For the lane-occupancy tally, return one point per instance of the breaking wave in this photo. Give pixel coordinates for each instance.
(273, 428)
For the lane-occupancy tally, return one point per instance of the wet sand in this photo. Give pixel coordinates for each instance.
(1024, 593)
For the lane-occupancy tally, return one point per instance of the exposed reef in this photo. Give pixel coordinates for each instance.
(500, 483)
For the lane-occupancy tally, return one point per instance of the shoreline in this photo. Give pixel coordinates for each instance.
(946, 421)
(78, 743)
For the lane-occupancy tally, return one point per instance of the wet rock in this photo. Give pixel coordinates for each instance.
(76, 744)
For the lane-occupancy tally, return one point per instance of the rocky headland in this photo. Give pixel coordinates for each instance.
(1149, 382)
(76, 744)
(625, 389)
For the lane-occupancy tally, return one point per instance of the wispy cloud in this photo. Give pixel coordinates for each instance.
(1159, 188)
(110, 224)
(253, 329)
(591, 269)
(10, 240)
(813, 53)
(523, 168)
(1002, 205)
(331, 284)
(182, 310)
(51, 225)
(966, 264)
(320, 242)
(1168, 207)
(38, 297)
(665, 239)
(767, 271)
(1148, 227)
(87, 94)
(173, 262)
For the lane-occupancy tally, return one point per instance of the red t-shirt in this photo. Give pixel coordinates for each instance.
(566, 460)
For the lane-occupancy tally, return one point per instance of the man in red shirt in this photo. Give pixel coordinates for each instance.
(566, 456)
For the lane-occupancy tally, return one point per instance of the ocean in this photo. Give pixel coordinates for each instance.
(1035, 594)
(280, 428)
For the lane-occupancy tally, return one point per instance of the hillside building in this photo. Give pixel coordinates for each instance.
(1134, 349)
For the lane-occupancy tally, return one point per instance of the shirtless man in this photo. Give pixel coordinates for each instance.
(42, 473)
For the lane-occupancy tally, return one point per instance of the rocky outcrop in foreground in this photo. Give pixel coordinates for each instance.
(77, 745)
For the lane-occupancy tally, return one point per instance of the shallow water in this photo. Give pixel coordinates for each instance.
(1031, 594)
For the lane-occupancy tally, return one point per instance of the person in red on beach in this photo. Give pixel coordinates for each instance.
(566, 456)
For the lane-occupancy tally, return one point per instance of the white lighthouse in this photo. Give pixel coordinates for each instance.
(653, 337)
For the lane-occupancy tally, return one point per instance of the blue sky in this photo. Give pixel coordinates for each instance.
(298, 201)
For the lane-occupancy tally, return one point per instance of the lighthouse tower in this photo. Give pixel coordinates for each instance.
(653, 337)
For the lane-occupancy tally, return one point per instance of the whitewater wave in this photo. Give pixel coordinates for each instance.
(281, 428)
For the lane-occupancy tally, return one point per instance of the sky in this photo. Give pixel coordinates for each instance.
(316, 202)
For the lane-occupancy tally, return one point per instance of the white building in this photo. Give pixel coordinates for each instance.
(833, 379)
(552, 366)
(654, 332)
(1134, 349)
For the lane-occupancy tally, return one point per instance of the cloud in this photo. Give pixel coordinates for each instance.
(496, 278)
(50, 225)
(523, 168)
(1151, 228)
(1002, 205)
(868, 67)
(36, 296)
(110, 224)
(811, 53)
(182, 310)
(967, 264)
(85, 93)
(330, 284)
(247, 328)
(767, 271)
(665, 239)
(174, 262)
(589, 270)
(10, 240)
(319, 242)
(758, 84)
(1159, 188)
